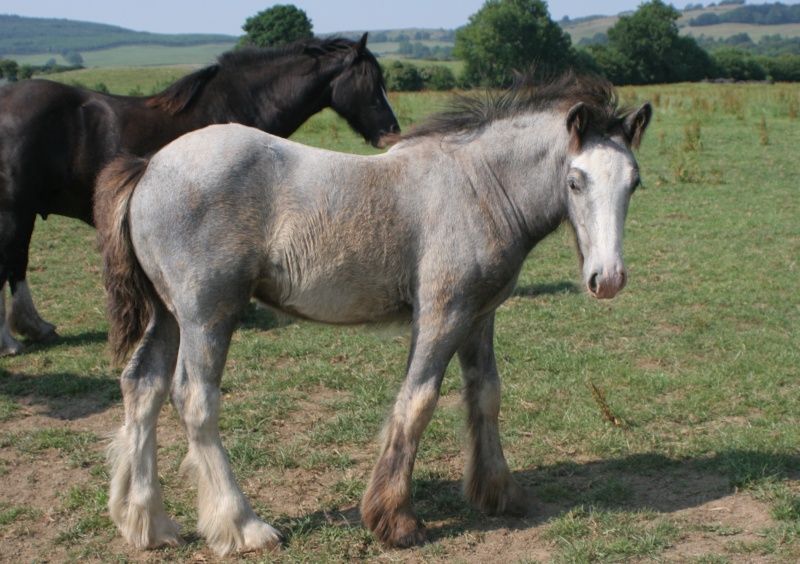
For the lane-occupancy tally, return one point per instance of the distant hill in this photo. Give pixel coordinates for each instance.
(728, 19)
(37, 40)
(20, 36)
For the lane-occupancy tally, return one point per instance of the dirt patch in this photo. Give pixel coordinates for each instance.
(709, 513)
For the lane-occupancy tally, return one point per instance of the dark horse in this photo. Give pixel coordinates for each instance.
(54, 139)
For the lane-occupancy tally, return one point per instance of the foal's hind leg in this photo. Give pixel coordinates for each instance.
(225, 518)
(488, 483)
(135, 501)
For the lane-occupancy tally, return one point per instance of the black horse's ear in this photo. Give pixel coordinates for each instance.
(362, 43)
(634, 124)
(577, 119)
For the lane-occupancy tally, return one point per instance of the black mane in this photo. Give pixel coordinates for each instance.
(471, 114)
(239, 58)
(177, 97)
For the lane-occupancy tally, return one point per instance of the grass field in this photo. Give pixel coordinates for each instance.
(661, 426)
(137, 55)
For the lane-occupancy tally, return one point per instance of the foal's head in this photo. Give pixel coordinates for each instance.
(601, 176)
(359, 95)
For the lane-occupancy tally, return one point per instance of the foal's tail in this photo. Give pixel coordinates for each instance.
(130, 292)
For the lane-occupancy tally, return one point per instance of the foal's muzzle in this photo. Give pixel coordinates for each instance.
(606, 283)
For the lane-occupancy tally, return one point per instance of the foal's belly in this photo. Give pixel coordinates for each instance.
(341, 303)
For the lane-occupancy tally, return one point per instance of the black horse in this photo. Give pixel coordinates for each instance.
(54, 139)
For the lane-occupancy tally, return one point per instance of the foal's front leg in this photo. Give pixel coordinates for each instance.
(488, 483)
(386, 508)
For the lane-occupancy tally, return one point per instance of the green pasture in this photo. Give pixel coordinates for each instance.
(149, 80)
(689, 377)
(136, 55)
(124, 80)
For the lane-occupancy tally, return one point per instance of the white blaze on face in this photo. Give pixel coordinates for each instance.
(601, 180)
(386, 99)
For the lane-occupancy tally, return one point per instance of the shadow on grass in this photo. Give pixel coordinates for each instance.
(261, 317)
(80, 339)
(65, 395)
(646, 482)
(534, 290)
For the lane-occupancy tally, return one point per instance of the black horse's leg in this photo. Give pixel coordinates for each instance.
(8, 344)
(488, 483)
(23, 318)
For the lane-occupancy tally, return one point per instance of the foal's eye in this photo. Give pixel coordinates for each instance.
(573, 185)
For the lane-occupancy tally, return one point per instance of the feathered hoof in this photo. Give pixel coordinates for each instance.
(395, 529)
(255, 535)
(510, 499)
(143, 532)
(36, 330)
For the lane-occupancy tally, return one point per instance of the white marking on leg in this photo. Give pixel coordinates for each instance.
(225, 517)
(135, 501)
(8, 344)
(23, 318)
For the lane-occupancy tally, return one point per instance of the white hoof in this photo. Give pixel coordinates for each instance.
(144, 531)
(253, 536)
(258, 535)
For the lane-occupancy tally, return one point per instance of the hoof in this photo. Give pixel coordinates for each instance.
(400, 529)
(511, 499)
(406, 535)
(9, 345)
(254, 535)
(42, 334)
(146, 532)
(260, 536)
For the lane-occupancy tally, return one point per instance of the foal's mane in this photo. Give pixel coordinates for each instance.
(471, 114)
(177, 97)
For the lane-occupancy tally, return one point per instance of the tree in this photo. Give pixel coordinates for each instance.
(737, 64)
(275, 26)
(9, 69)
(646, 47)
(73, 57)
(437, 77)
(402, 77)
(508, 35)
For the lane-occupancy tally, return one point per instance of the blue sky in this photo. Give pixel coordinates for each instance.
(227, 16)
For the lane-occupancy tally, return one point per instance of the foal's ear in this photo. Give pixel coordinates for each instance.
(577, 119)
(577, 122)
(634, 124)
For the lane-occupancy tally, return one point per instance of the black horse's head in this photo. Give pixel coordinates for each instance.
(359, 95)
